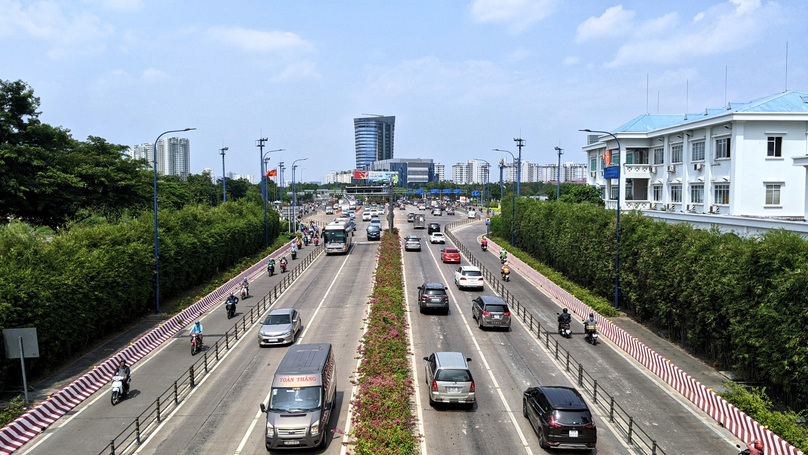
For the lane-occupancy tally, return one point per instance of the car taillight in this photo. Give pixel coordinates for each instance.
(434, 385)
(471, 389)
(591, 425)
(553, 423)
(507, 313)
(462, 278)
(486, 313)
(446, 297)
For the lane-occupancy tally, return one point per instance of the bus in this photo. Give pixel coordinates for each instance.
(338, 236)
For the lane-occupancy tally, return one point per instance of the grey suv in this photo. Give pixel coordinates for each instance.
(433, 296)
(560, 418)
(449, 378)
(491, 311)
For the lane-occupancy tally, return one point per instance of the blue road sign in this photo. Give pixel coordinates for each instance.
(419, 191)
(475, 193)
(611, 172)
(435, 191)
(458, 191)
(409, 191)
(447, 191)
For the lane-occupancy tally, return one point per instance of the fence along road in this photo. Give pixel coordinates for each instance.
(642, 399)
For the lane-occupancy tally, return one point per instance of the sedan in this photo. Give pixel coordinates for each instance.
(437, 237)
(410, 217)
(469, 276)
(436, 211)
(280, 327)
(365, 215)
(412, 242)
(450, 255)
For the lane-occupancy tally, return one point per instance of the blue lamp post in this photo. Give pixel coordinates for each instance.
(617, 233)
(156, 243)
(224, 187)
(513, 197)
(294, 194)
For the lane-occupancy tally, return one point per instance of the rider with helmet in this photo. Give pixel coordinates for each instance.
(563, 318)
(123, 370)
(505, 270)
(197, 329)
(755, 447)
(590, 325)
(246, 285)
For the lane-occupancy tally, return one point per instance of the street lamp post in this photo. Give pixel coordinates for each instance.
(513, 198)
(156, 243)
(264, 184)
(487, 188)
(617, 230)
(558, 187)
(294, 194)
(224, 179)
(519, 143)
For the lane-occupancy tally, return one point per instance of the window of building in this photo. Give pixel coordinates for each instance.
(613, 192)
(775, 148)
(593, 163)
(721, 193)
(697, 194)
(656, 192)
(676, 153)
(659, 155)
(697, 151)
(722, 147)
(615, 157)
(676, 193)
(773, 194)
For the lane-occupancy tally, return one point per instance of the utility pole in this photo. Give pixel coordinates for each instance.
(519, 143)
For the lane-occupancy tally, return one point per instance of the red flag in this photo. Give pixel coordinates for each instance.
(272, 173)
(360, 174)
(607, 157)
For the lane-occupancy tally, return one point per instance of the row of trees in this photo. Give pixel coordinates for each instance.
(739, 302)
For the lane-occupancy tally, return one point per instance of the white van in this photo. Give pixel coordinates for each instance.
(302, 398)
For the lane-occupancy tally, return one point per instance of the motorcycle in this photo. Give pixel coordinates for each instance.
(294, 254)
(316, 241)
(119, 389)
(231, 309)
(196, 343)
(564, 329)
(244, 292)
(506, 276)
(591, 334)
(283, 267)
(484, 247)
(271, 269)
(502, 259)
(742, 450)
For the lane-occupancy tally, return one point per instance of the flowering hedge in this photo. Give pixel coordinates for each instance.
(382, 414)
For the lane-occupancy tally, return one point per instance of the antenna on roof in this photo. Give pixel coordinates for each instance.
(687, 97)
(786, 66)
(657, 101)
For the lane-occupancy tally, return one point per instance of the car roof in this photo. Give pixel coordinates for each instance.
(451, 250)
(492, 299)
(469, 267)
(434, 286)
(451, 360)
(281, 311)
(563, 397)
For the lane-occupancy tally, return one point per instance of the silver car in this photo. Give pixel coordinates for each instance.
(449, 378)
(412, 242)
(491, 311)
(280, 327)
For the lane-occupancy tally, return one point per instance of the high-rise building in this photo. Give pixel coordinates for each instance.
(440, 172)
(374, 139)
(173, 156)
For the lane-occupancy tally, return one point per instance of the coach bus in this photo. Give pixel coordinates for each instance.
(338, 236)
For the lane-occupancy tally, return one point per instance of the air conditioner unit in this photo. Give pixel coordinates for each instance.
(671, 206)
(698, 166)
(691, 207)
(671, 168)
(654, 206)
(653, 169)
(714, 208)
(593, 174)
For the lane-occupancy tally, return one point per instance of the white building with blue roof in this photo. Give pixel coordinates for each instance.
(745, 160)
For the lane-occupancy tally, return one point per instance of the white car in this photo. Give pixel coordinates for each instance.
(436, 211)
(468, 276)
(422, 207)
(365, 215)
(437, 237)
(472, 214)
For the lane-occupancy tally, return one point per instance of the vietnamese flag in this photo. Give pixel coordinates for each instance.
(272, 173)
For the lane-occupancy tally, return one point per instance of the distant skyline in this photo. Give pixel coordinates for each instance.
(461, 78)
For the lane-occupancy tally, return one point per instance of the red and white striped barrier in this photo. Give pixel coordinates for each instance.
(740, 424)
(36, 420)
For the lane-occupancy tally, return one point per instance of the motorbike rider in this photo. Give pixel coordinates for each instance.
(591, 322)
(123, 370)
(503, 255)
(484, 242)
(271, 264)
(283, 262)
(197, 329)
(245, 284)
(232, 299)
(294, 248)
(755, 447)
(563, 318)
(505, 270)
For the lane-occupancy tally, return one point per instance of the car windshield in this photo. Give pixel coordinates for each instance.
(496, 308)
(575, 417)
(453, 375)
(276, 319)
(295, 399)
(451, 251)
(472, 273)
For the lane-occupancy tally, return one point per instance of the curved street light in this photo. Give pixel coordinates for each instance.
(488, 191)
(513, 196)
(294, 194)
(156, 243)
(558, 188)
(224, 179)
(264, 184)
(617, 230)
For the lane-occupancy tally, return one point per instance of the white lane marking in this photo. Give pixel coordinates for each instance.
(485, 362)
(244, 336)
(258, 415)
(418, 407)
(656, 380)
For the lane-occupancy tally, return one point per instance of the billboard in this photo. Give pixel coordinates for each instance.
(377, 176)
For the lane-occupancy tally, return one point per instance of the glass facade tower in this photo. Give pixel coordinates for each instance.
(374, 140)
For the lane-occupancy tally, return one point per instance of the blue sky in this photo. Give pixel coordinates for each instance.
(461, 77)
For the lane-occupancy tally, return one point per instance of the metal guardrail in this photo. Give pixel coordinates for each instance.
(631, 430)
(139, 430)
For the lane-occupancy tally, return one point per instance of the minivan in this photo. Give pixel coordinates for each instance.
(560, 418)
(491, 311)
(449, 378)
(302, 397)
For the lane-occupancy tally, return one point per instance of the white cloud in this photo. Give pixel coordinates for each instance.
(260, 41)
(726, 27)
(68, 35)
(120, 6)
(571, 60)
(154, 75)
(518, 55)
(518, 15)
(614, 21)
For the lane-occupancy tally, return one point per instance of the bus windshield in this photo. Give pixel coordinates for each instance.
(335, 236)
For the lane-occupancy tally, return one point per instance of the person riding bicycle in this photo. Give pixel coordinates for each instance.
(123, 370)
(196, 329)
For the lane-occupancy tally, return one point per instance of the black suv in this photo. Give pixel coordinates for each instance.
(560, 418)
(433, 227)
(433, 296)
